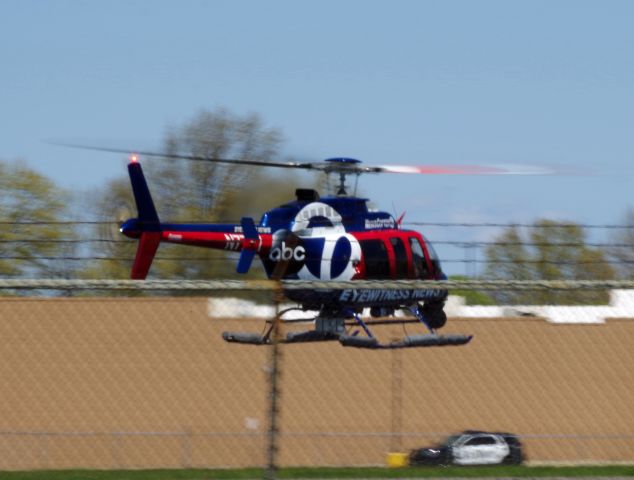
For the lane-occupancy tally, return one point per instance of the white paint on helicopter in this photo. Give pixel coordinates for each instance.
(312, 210)
(332, 235)
(380, 223)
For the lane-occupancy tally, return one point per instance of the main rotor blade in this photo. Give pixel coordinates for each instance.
(345, 167)
(195, 158)
(467, 169)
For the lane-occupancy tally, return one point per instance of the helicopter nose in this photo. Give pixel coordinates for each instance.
(130, 228)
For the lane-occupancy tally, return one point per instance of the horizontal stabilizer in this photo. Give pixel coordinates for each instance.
(246, 258)
(248, 228)
(248, 248)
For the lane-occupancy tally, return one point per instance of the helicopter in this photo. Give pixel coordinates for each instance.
(331, 238)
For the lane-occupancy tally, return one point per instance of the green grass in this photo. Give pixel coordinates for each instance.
(298, 473)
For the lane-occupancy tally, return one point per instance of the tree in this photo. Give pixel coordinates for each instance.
(32, 242)
(197, 191)
(622, 249)
(550, 250)
(202, 187)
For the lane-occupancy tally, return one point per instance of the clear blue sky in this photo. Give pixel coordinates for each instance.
(405, 82)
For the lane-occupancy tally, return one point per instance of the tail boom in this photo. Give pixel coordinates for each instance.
(149, 231)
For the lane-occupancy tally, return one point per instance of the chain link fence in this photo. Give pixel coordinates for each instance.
(147, 381)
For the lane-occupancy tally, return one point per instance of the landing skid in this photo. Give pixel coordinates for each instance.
(294, 337)
(427, 340)
(329, 327)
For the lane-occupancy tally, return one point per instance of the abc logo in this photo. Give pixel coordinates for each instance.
(282, 252)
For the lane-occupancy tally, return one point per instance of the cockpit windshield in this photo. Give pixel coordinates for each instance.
(433, 256)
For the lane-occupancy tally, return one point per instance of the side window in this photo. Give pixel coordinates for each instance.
(377, 262)
(481, 441)
(418, 257)
(401, 257)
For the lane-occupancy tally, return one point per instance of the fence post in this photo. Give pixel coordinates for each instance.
(274, 392)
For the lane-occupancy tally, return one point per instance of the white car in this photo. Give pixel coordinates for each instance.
(472, 448)
(479, 449)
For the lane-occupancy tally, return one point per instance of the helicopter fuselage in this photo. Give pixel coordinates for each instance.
(316, 242)
(335, 238)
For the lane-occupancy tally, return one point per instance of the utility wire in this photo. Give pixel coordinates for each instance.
(211, 259)
(422, 224)
(458, 243)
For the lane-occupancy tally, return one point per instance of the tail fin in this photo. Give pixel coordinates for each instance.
(142, 197)
(147, 222)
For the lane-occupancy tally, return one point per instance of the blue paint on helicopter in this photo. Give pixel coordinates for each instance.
(314, 249)
(348, 160)
(340, 257)
(355, 217)
(354, 212)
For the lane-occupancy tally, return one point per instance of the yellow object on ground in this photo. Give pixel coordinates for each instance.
(396, 459)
